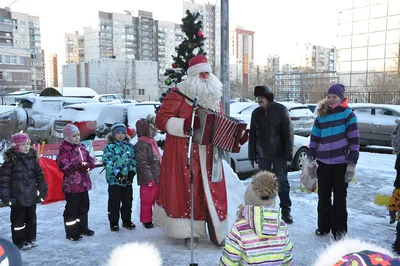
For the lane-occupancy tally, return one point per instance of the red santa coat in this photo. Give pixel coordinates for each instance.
(172, 211)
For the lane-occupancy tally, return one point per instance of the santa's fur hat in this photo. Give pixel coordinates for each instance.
(333, 253)
(132, 254)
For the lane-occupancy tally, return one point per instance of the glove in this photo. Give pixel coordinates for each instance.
(350, 172)
(83, 166)
(131, 175)
(245, 137)
(392, 215)
(39, 198)
(9, 201)
(119, 176)
(151, 183)
(188, 123)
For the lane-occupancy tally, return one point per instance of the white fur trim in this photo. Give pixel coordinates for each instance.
(135, 254)
(199, 68)
(175, 126)
(337, 250)
(178, 228)
(221, 227)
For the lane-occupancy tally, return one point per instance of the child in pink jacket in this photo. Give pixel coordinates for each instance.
(148, 161)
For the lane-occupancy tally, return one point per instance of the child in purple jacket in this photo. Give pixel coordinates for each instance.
(75, 162)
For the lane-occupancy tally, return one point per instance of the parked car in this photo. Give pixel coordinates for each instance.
(302, 118)
(84, 116)
(240, 161)
(126, 113)
(313, 108)
(376, 122)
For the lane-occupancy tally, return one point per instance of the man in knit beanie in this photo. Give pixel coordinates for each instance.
(72, 134)
(19, 139)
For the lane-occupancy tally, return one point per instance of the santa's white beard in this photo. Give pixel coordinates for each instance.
(209, 91)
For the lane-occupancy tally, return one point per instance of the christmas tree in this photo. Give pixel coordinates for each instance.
(191, 46)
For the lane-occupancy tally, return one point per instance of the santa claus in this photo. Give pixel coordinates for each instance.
(172, 210)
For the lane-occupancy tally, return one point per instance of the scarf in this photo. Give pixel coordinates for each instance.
(153, 144)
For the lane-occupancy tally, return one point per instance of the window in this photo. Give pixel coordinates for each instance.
(1, 59)
(7, 76)
(141, 91)
(21, 60)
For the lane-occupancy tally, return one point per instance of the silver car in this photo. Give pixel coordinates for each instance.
(376, 122)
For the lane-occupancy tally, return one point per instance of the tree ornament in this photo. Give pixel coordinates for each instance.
(174, 65)
(200, 34)
(168, 82)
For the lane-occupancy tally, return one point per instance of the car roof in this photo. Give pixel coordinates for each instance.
(373, 105)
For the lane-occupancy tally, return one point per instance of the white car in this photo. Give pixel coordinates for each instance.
(302, 118)
(240, 161)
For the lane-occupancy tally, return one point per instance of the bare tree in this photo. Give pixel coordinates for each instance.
(124, 83)
(5, 88)
(106, 81)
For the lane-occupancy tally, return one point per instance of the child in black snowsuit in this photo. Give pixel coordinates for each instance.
(22, 185)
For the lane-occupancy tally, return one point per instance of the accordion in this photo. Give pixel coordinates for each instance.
(219, 130)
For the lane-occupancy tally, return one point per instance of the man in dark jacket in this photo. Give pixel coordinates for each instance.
(271, 142)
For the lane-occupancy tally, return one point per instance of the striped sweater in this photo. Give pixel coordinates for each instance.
(335, 138)
(259, 237)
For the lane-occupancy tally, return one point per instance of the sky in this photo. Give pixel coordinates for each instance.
(278, 25)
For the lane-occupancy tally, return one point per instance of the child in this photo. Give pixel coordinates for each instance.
(148, 168)
(335, 144)
(22, 185)
(394, 203)
(75, 161)
(119, 162)
(259, 236)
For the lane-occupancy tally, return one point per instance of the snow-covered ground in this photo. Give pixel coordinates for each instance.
(366, 221)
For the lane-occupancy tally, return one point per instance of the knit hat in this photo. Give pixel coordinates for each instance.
(19, 138)
(135, 254)
(117, 128)
(337, 89)
(9, 253)
(262, 190)
(355, 252)
(198, 64)
(264, 91)
(69, 130)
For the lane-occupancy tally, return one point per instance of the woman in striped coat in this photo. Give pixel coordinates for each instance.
(259, 236)
(335, 144)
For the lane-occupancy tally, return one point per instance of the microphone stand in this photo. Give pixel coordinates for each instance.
(190, 165)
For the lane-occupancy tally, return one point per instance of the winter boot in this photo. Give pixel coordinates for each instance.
(114, 227)
(319, 232)
(339, 235)
(88, 232)
(195, 242)
(129, 225)
(286, 216)
(148, 225)
(33, 243)
(24, 246)
(74, 238)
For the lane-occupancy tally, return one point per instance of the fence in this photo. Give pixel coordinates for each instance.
(354, 97)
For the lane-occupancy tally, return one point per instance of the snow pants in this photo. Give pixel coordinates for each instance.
(23, 224)
(117, 195)
(76, 213)
(332, 217)
(148, 194)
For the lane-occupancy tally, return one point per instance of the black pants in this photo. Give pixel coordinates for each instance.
(76, 213)
(116, 196)
(23, 224)
(332, 217)
(279, 166)
(397, 241)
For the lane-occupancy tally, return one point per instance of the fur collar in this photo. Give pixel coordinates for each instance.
(11, 155)
(111, 140)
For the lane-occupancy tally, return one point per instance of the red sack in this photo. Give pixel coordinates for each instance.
(54, 179)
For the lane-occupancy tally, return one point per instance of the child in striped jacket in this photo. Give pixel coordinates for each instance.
(335, 144)
(259, 236)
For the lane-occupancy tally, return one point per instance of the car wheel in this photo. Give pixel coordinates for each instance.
(299, 159)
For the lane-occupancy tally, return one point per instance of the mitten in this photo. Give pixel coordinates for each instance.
(350, 172)
(119, 176)
(245, 137)
(39, 198)
(188, 123)
(392, 215)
